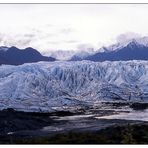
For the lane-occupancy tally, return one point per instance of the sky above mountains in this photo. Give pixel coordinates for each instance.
(70, 27)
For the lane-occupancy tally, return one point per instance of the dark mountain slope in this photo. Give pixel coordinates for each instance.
(15, 56)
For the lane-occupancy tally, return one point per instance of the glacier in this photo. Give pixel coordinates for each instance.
(46, 86)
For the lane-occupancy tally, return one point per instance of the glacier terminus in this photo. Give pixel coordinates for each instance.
(45, 86)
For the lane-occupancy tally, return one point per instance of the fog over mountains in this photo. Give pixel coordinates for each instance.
(132, 49)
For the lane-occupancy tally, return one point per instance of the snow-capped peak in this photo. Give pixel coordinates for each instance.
(137, 41)
(142, 41)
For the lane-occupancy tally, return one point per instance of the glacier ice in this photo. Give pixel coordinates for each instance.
(46, 86)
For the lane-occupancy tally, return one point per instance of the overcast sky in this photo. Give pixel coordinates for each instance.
(69, 27)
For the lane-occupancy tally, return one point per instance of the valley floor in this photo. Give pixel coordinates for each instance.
(93, 126)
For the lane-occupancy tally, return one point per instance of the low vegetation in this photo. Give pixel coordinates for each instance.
(129, 134)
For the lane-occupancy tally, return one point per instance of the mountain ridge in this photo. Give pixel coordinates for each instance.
(15, 56)
(132, 50)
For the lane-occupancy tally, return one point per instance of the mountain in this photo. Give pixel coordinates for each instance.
(135, 49)
(47, 86)
(15, 56)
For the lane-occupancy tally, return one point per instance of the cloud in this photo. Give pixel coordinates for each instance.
(86, 47)
(127, 36)
(44, 38)
(70, 41)
(66, 30)
(70, 27)
(29, 35)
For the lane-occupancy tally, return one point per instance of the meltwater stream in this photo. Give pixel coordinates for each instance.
(91, 121)
(141, 115)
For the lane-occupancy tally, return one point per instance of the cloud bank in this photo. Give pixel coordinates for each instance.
(50, 28)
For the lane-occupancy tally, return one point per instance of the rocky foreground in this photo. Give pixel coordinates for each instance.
(80, 127)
